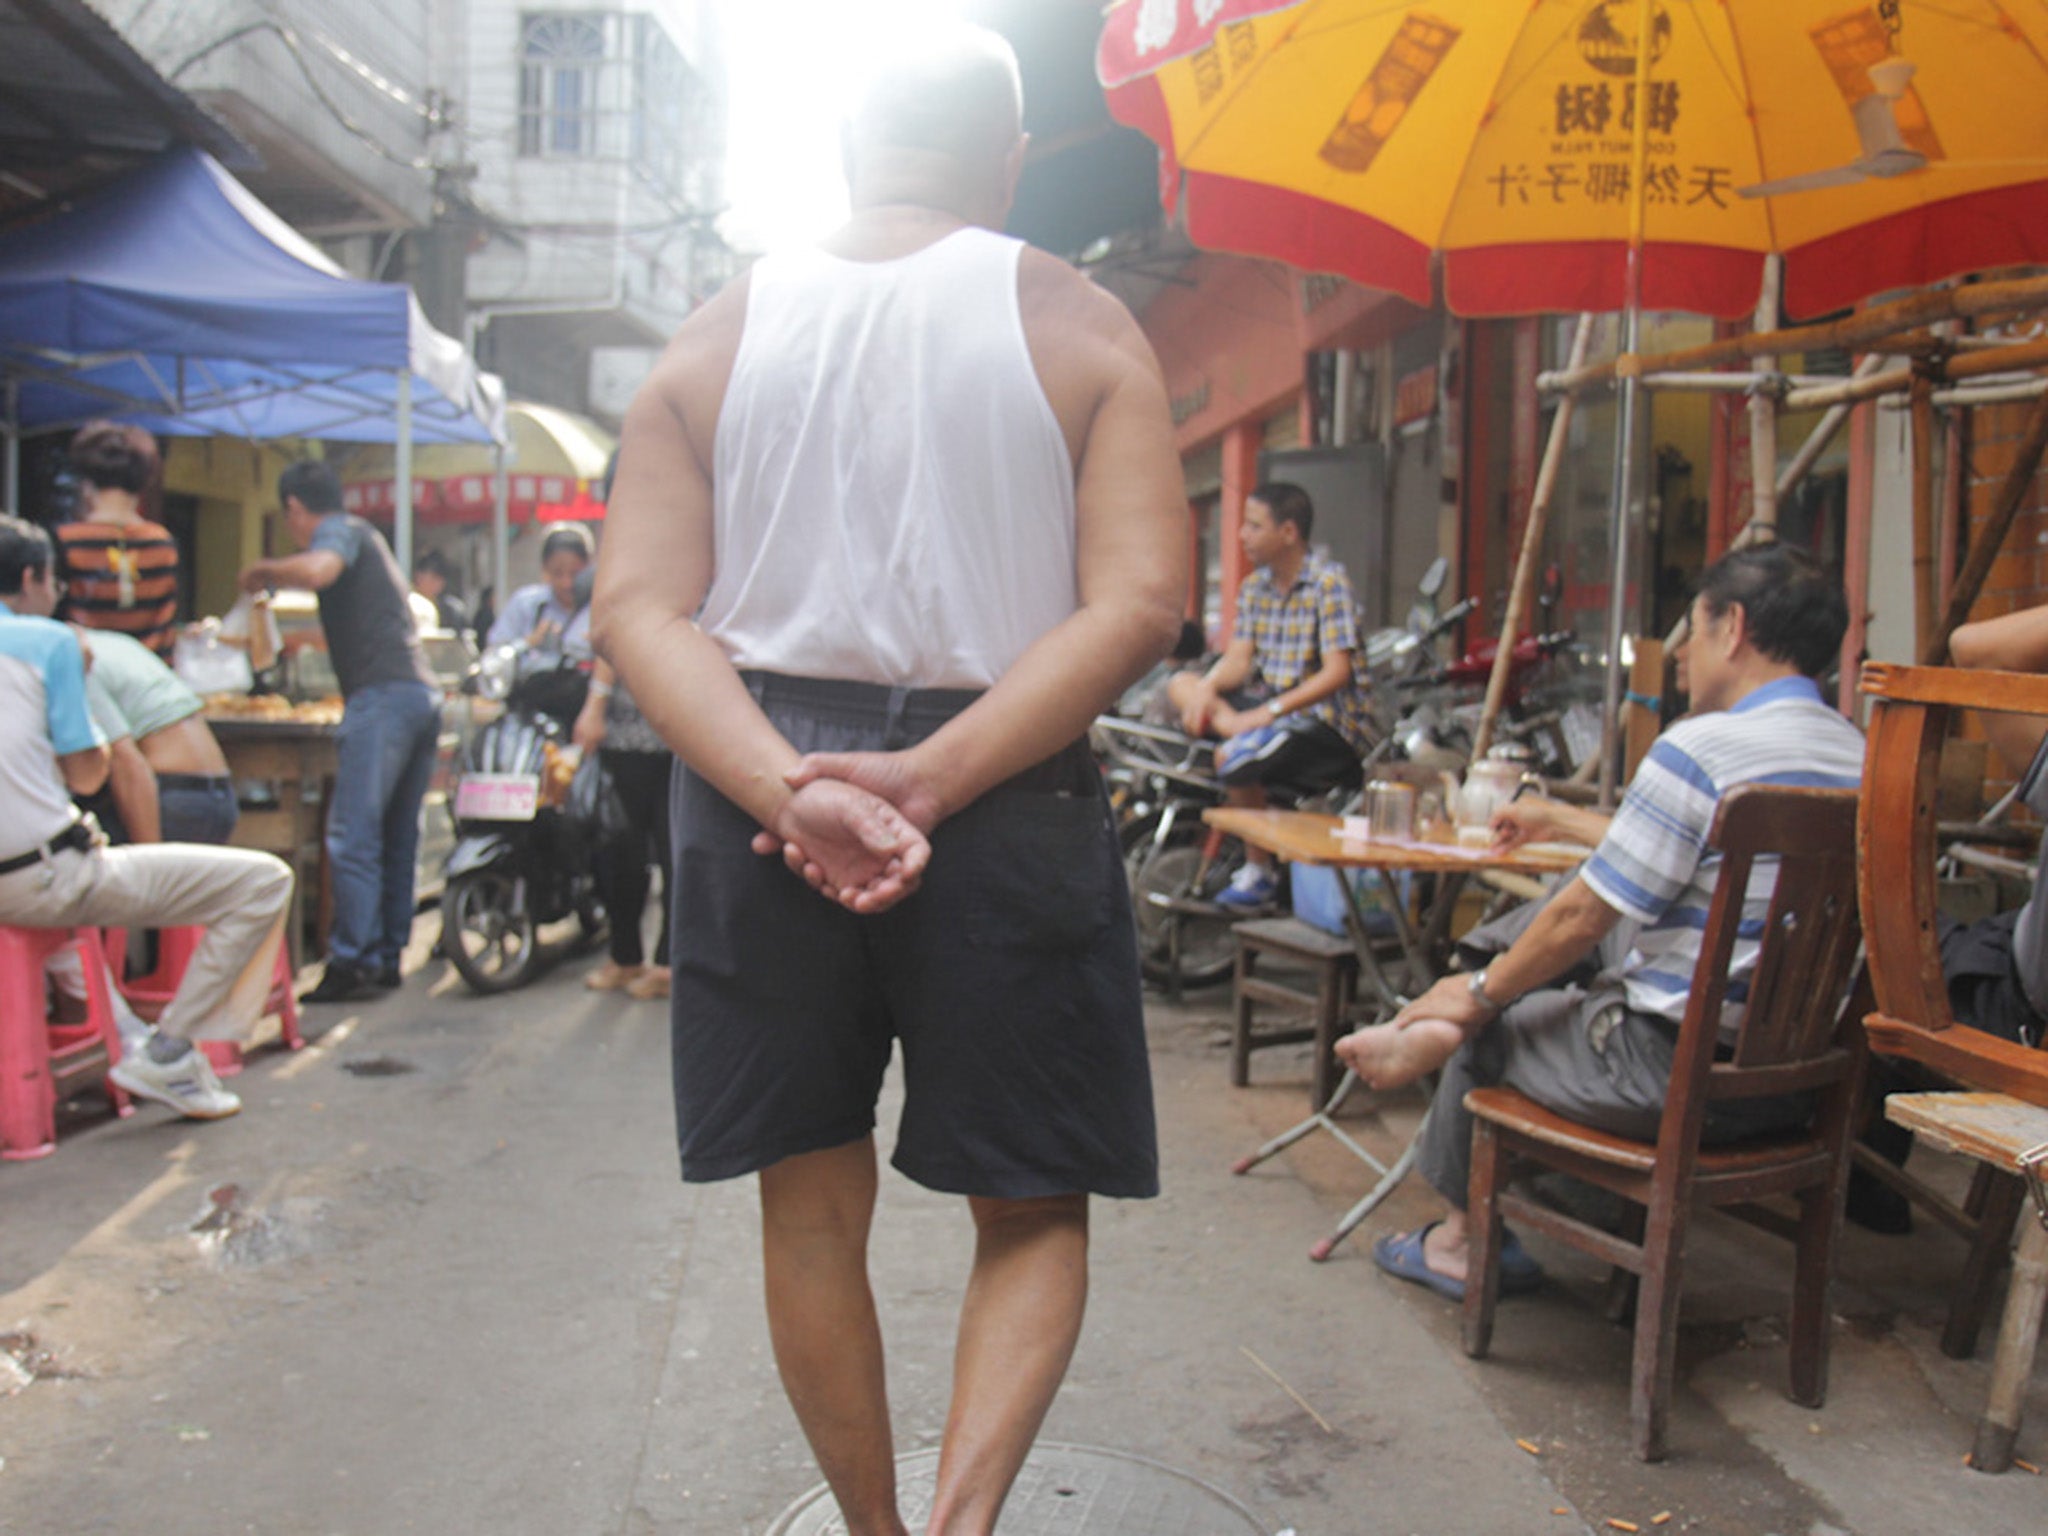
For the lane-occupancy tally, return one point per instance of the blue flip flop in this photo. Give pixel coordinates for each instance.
(1400, 1255)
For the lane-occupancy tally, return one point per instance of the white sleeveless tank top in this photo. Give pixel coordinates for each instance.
(894, 501)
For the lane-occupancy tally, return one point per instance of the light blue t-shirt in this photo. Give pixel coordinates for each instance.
(43, 716)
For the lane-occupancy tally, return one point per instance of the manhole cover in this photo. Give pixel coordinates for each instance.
(1064, 1490)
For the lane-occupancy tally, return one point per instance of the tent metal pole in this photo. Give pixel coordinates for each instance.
(401, 525)
(10, 489)
(501, 529)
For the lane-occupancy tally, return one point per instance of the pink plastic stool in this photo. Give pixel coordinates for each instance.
(37, 1056)
(147, 995)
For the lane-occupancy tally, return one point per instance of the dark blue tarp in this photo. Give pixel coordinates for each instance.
(177, 299)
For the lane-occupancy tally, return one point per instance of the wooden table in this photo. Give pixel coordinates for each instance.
(1307, 838)
(1999, 1131)
(295, 756)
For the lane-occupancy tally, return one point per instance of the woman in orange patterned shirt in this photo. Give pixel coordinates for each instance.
(121, 568)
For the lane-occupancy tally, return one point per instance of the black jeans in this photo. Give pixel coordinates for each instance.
(640, 779)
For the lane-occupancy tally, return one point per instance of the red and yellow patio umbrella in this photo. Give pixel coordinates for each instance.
(1896, 143)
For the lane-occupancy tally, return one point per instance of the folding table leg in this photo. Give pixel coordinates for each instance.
(1390, 1175)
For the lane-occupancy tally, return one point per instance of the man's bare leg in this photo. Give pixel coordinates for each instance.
(816, 1210)
(1393, 1055)
(1018, 1324)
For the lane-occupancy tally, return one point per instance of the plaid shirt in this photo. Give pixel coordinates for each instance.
(1292, 631)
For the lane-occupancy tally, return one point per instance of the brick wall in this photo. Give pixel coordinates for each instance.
(2019, 576)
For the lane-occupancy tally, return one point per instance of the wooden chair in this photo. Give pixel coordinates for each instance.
(1896, 836)
(1795, 1037)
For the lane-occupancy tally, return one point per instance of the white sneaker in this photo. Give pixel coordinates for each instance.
(1252, 887)
(186, 1085)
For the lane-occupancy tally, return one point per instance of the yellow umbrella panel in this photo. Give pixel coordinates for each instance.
(1369, 139)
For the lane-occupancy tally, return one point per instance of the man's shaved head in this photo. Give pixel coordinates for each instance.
(951, 105)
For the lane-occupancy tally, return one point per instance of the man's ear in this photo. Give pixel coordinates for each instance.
(1736, 636)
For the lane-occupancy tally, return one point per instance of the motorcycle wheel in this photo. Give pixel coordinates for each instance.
(1168, 870)
(488, 931)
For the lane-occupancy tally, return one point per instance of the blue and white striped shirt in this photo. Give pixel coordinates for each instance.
(1653, 866)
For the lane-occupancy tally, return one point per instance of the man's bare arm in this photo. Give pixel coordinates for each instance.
(84, 771)
(1333, 674)
(133, 783)
(2013, 642)
(311, 571)
(1563, 934)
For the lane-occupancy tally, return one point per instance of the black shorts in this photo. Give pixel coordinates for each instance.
(1297, 752)
(1010, 978)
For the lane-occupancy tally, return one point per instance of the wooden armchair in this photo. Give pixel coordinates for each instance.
(1895, 837)
(1795, 1037)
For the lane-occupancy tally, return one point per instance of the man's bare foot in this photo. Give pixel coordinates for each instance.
(1394, 1055)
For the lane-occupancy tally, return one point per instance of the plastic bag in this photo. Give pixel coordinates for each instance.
(251, 625)
(207, 663)
(594, 802)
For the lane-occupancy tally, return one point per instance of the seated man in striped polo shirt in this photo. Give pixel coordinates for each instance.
(1767, 621)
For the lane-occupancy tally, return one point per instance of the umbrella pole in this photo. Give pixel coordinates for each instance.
(1622, 492)
(402, 467)
(1532, 544)
(1631, 395)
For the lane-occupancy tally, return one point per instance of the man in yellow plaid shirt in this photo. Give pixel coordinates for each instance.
(1283, 696)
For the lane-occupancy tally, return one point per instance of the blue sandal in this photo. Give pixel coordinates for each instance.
(1400, 1255)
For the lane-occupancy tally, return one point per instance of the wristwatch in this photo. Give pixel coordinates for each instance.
(1476, 985)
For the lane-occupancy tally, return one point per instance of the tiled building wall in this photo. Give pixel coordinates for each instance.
(2019, 576)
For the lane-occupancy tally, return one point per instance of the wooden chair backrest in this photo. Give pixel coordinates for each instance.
(1896, 841)
(1790, 1037)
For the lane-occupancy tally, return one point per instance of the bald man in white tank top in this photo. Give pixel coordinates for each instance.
(894, 520)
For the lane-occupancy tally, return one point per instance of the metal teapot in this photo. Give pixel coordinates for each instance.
(1489, 784)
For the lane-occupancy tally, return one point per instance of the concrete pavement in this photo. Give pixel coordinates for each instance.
(441, 1276)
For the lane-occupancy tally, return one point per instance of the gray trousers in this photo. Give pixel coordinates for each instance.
(1584, 1055)
(237, 895)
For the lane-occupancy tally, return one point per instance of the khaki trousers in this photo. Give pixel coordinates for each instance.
(238, 896)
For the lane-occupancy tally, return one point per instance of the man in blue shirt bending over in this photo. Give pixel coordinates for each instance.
(1767, 621)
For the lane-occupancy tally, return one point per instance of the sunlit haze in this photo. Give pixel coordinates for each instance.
(792, 67)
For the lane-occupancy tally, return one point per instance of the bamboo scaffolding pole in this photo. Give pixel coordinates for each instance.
(1520, 593)
(1844, 392)
(1824, 432)
(2008, 359)
(1924, 612)
(1763, 411)
(2011, 492)
(1992, 394)
(1860, 332)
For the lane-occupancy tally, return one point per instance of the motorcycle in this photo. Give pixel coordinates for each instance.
(522, 858)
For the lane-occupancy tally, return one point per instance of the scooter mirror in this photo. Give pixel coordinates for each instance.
(1433, 578)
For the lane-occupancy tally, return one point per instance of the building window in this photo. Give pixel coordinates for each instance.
(561, 85)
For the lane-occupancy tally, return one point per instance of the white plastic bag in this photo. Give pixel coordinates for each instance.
(207, 663)
(251, 625)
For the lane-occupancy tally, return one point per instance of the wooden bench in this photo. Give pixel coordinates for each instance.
(1335, 966)
(1997, 1131)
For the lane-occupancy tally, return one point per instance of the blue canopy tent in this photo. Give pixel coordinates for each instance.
(177, 300)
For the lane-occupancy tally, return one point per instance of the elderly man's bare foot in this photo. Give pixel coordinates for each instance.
(1394, 1055)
